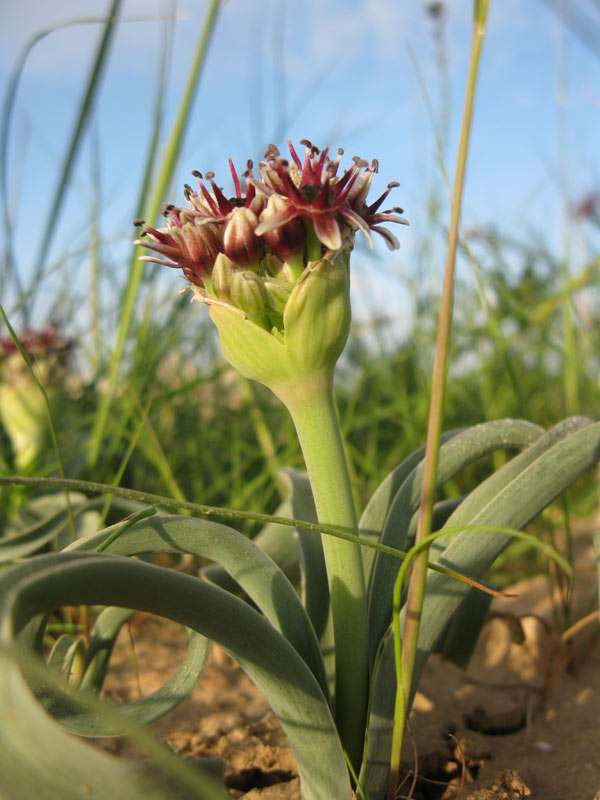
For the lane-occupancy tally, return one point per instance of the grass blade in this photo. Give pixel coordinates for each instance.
(150, 212)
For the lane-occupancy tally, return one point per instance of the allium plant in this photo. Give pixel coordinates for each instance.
(22, 406)
(272, 264)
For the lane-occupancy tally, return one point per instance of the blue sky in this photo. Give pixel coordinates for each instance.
(340, 72)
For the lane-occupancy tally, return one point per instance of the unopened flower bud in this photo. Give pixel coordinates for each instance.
(315, 326)
(286, 239)
(258, 203)
(222, 273)
(286, 272)
(272, 179)
(247, 292)
(199, 246)
(277, 294)
(240, 242)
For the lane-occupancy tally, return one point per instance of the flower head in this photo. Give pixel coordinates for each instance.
(38, 343)
(188, 242)
(272, 261)
(311, 189)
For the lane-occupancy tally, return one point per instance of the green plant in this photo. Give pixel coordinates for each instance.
(336, 712)
(273, 266)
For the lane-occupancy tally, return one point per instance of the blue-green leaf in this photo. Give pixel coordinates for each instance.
(28, 590)
(510, 498)
(254, 571)
(463, 448)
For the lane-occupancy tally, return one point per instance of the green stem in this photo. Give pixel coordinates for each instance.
(311, 404)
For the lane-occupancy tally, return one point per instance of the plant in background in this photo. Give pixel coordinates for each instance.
(23, 411)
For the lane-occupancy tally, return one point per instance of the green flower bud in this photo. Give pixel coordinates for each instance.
(278, 294)
(24, 417)
(285, 271)
(221, 275)
(247, 292)
(316, 322)
(23, 411)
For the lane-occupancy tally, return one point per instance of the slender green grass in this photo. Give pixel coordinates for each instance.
(151, 205)
(87, 104)
(10, 272)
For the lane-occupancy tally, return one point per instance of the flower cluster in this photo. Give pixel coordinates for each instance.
(249, 251)
(39, 343)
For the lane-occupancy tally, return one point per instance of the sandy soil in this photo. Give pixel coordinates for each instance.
(522, 722)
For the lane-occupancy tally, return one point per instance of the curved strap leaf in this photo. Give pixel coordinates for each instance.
(269, 660)
(45, 522)
(276, 540)
(61, 658)
(255, 572)
(547, 468)
(313, 572)
(143, 711)
(461, 449)
(100, 646)
(50, 521)
(36, 752)
(490, 488)
(375, 513)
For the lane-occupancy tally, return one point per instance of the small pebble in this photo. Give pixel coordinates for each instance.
(543, 747)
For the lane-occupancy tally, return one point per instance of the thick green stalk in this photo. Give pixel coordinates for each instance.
(311, 404)
(416, 592)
